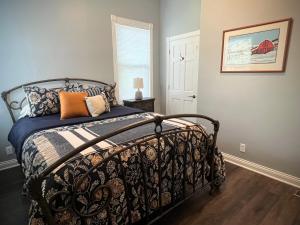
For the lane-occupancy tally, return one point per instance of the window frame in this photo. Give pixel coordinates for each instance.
(136, 24)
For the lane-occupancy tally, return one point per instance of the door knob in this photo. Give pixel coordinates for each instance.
(192, 96)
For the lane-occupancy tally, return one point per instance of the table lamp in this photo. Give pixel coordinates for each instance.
(138, 84)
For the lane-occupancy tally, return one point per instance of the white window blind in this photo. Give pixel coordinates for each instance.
(132, 56)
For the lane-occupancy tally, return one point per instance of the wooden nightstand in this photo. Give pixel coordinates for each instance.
(146, 104)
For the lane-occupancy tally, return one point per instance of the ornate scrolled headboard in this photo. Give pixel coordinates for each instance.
(15, 99)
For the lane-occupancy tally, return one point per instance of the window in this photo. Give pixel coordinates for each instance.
(132, 45)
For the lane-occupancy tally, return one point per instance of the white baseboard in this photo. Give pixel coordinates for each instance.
(8, 164)
(274, 174)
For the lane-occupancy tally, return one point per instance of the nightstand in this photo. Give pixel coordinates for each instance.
(146, 104)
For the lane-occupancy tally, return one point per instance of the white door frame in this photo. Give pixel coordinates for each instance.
(168, 41)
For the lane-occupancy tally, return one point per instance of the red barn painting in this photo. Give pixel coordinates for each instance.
(264, 47)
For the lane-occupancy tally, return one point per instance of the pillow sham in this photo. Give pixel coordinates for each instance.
(72, 104)
(75, 87)
(42, 101)
(109, 90)
(97, 104)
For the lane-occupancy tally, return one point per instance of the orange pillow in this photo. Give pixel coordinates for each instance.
(72, 104)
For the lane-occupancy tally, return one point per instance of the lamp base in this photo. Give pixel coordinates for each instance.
(138, 95)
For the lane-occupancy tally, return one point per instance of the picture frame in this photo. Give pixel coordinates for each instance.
(259, 48)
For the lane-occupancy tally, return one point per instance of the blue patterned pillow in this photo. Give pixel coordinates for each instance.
(109, 90)
(76, 87)
(42, 101)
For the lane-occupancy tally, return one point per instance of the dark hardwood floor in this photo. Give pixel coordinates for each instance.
(13, 206)
(246, 198)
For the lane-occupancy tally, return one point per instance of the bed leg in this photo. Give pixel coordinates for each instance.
(214, 188)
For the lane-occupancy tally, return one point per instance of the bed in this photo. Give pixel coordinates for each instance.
(126, 166)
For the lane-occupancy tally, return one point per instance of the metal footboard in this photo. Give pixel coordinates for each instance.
(166, 167)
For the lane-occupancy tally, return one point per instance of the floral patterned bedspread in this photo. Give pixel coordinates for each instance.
(156, 177)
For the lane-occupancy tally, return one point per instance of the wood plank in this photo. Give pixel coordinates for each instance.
(246, 198)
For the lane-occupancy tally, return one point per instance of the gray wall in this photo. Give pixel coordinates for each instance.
(261, 110)
(40, 40)
(48, 39)
(177, 17)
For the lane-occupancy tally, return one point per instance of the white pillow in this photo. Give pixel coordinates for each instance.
(97, 104)
(24, 112)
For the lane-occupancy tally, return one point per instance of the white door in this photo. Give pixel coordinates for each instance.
(182, 73)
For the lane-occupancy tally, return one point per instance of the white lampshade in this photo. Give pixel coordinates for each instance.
(138, 83)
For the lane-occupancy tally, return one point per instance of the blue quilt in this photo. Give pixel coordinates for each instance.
(24, 127)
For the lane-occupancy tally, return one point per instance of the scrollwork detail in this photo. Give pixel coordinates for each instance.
(15, 105)
(98, 200)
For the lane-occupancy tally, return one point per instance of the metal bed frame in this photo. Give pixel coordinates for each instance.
(208, 150)
(17, 105)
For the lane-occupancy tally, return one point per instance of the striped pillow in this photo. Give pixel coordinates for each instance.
(93, 91)
(109, 90)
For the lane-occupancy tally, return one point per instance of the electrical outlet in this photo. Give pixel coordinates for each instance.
(242, 147)
(9, 150)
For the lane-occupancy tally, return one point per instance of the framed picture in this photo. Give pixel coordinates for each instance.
(256, 48)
